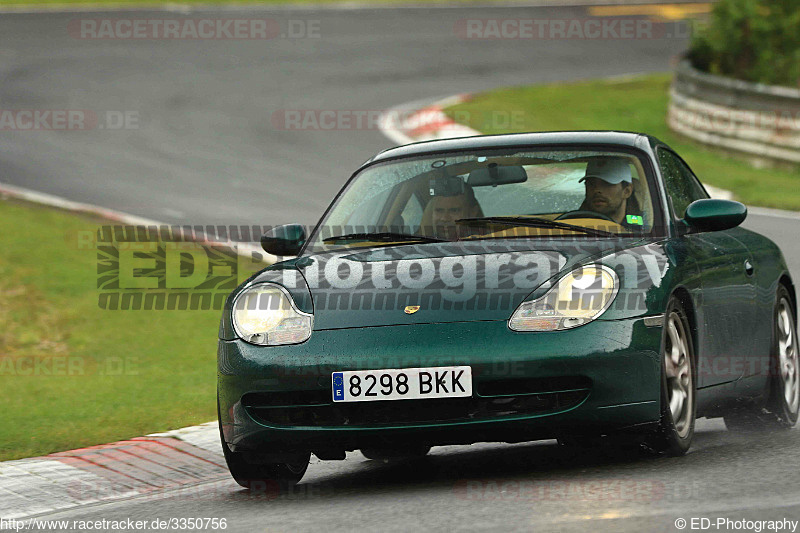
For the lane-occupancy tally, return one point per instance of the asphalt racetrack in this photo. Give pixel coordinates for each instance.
(207, 149)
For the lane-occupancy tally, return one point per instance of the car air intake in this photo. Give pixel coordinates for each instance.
(511, 398)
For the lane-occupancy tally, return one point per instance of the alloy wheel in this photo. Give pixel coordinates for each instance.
(677, 363)
(787, 356)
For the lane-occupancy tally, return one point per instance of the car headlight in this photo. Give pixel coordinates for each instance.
(576, 299)
(265, 314)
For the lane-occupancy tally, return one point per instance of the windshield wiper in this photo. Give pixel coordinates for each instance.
(385, 236)
(536, 222)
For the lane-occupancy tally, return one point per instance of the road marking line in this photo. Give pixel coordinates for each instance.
(777, 213)
(205, 436)
(660, 11)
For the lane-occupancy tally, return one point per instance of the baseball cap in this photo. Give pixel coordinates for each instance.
(612, 170)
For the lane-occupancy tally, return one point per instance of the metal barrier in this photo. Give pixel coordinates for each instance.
(751, 118)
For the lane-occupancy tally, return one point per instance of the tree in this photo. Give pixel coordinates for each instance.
(753, 40)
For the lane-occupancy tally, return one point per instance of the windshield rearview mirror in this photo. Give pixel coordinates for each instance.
(495, 174)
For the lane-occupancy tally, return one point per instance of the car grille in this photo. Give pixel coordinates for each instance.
(314, 408)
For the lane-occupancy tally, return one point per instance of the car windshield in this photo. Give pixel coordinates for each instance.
(491, 195)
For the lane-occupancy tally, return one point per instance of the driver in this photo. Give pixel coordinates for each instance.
(453, 201)
(609, 190)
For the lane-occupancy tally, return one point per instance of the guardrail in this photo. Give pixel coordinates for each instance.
(759, 120)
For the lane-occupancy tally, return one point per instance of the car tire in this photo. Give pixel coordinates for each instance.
(270, 478)
(780, 409)
(389, 454)
(675, 430)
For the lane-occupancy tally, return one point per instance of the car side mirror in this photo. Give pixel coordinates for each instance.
(284, 240)
(715, 215)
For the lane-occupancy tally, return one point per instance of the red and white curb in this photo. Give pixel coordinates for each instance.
(424, 120)
(134, 467)
(244, 249)
(420, 121)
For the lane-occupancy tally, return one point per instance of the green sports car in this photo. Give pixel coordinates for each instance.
(507, 288)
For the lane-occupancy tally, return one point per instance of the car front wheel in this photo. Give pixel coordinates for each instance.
(268, 477)
(678, 386)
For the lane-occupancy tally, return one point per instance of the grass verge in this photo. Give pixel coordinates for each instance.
(73, 374)
(632, 104)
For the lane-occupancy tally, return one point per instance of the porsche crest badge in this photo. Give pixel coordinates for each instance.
(411, 309)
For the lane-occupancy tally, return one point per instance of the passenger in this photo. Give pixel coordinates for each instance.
(445, 210)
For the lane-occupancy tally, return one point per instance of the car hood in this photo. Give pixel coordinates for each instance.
(431, 283)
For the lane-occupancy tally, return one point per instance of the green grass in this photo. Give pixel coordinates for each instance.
(134, 372)
(635, 104)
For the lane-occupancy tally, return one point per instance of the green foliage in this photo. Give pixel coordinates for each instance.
(752, 40)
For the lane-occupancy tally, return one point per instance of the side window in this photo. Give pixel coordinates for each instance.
(682, 186)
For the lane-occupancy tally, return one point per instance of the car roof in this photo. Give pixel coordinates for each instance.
(620, 138)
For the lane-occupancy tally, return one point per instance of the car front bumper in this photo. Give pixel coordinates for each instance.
(603, 376)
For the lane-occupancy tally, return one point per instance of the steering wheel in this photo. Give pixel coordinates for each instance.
(583, 213)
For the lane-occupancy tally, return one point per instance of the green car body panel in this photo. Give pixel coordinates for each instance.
(601, 376)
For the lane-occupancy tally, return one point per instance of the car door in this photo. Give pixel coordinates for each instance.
(724, 328)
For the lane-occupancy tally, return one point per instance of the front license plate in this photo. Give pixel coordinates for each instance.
(402, 384)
